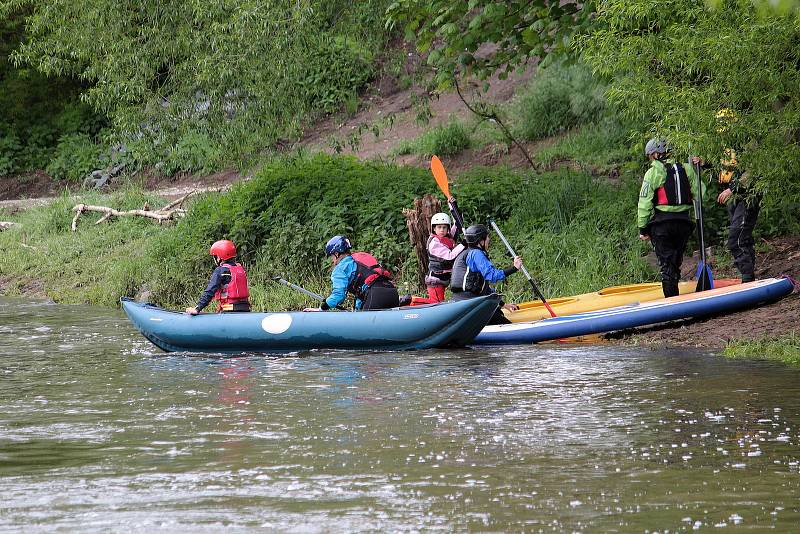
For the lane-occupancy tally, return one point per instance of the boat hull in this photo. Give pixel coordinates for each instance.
(421, 327)
(609, 297)
(714, 301)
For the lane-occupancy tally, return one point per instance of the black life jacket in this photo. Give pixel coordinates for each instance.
(368, 273)
(465, 280)
(676, 190)
(439, 267)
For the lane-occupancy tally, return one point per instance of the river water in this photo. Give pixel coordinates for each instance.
(100, 431)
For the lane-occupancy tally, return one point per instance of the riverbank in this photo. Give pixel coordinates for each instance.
(571, 216)
(553, 217)
(745, 333)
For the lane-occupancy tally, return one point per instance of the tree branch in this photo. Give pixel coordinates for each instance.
(493, 117)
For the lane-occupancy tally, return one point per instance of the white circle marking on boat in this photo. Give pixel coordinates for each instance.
(276, 323)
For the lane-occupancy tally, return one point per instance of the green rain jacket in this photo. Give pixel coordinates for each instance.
(654, 178)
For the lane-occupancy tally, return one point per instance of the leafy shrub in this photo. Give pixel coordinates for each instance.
(77, 117)
(75, 156)
(38, 148)
(335, 70)
(9, 150)
(194, 152)
(284, 215)
(557, 99)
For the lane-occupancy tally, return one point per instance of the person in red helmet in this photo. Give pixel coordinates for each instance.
(228, 284)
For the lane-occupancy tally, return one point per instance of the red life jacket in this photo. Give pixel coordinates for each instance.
(676, 190)
(234, 291)
(368, 271)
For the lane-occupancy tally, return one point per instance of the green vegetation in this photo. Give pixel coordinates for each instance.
(675, 75)
(445, 140)
(75, 156)
(784, 349)
(41, 117)
(185, 76)
(671, 66)
(574, 232)
(519, 30)
(557, 99)
(600, 144)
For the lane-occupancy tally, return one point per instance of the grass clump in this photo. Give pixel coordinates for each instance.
(783, 349)
(445, 140)
(597, 144)
(95, 265)
(557, 99)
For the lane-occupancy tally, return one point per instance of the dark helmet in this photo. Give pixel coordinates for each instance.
(337, 244)
(475, 234)
(223, 249)
(656, 145)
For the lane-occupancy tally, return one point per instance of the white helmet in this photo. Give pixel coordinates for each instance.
(440, 218)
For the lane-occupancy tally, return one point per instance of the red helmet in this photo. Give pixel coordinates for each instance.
(223, 249)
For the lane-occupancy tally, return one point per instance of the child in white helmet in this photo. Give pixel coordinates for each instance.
(442, 250)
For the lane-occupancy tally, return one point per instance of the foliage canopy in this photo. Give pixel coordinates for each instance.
(673, 65)
(245, 72)
(453, 33)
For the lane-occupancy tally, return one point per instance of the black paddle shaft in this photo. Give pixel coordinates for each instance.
(459, 219)
(703, 279)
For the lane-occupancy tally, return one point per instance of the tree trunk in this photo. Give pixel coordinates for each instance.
(418, 221)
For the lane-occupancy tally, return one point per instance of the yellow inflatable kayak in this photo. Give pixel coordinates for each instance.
(605, 298)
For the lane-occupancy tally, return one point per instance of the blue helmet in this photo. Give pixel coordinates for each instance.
(337, 244)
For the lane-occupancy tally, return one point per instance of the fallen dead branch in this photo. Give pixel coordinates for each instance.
(6, 225)
(170, 212)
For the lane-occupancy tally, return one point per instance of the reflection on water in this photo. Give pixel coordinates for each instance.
(101, 431)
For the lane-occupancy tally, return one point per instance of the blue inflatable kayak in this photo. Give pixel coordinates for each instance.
(420, 327)
(714, 301)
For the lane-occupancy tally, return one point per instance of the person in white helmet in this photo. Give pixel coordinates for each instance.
(442, 251)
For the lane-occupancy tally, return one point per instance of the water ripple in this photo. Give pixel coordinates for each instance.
(101, 431)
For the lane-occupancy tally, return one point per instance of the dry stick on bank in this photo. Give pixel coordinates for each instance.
(7, 225)
(418, 221)
(169, 212)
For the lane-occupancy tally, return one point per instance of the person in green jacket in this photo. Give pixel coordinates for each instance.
(665, 213)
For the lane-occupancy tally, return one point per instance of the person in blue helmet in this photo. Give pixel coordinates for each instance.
(473, 271)
(361, 275)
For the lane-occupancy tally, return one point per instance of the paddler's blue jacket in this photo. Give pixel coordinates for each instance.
(343, 273)
(472, 263)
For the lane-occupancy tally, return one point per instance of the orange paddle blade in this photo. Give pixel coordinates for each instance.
(440, 175)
